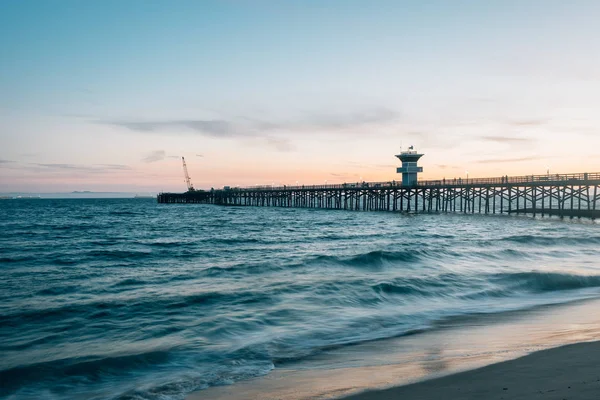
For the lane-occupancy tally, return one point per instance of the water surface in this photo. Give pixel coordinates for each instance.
(128, 299)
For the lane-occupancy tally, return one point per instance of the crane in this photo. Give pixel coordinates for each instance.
(188, 181)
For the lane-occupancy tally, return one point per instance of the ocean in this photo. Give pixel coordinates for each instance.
(129, 299)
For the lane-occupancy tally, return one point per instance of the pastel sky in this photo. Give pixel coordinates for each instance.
(108, 95)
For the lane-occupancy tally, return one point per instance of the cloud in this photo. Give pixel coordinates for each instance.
(345, 176)
(88, 168)
(445, 166)
(507, 160)
(114, 166)
(63, 166)
(172, 156)
(5, 161)
(505, 139)
(273, 131)
(529, 122)
(157, 155)
(217, 128)
(199, 155)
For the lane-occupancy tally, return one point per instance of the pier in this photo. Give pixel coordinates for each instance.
(572, 195)
(563, 195)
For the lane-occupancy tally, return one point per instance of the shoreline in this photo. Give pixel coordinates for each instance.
(453, 349)
(566, 372)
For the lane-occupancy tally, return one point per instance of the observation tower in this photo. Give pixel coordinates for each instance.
(409, 169)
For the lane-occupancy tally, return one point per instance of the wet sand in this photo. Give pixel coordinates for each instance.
(568, 372)
(464, 359)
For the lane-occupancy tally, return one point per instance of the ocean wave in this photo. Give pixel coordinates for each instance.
(232, 298)
(72, 372)
(58, 290)
(215, 376)
(16, 259)
(389, 288)
(501, 254)
(129, 282)
(536, 281)
(234, 240)
(89, 367)
(165, 244)
(376, 258)
(553, 240)
(134, 305)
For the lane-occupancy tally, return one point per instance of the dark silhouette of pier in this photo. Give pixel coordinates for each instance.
(565, 195)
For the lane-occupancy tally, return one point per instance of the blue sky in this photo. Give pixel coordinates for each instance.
(107, 95)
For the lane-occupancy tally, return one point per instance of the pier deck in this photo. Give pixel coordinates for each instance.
(573, 195)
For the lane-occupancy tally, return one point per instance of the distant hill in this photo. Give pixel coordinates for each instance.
(78, 194)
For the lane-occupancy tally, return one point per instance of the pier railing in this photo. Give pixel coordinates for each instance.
(502, 180)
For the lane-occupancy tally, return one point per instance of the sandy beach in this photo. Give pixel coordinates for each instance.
(568, 372)
(546, 353)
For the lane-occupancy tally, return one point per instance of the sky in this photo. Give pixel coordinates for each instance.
(109, 95)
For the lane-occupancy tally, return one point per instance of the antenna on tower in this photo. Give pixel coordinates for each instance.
(188, 181)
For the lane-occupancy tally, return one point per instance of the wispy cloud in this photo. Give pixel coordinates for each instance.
(344, 176)
(114, 166)
(507, 160)
(63, 166)
(273, 131)
(529, 122)
(156, 155)
(217, 128)
(445, 166)
(5, 161)
(79, 167)
(506, 139)
(199, 155)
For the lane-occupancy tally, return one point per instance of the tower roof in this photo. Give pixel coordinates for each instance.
(410, 155)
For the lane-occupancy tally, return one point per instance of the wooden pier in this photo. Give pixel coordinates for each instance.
(572, 195)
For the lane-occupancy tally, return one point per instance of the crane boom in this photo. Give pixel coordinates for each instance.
(188, 181)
